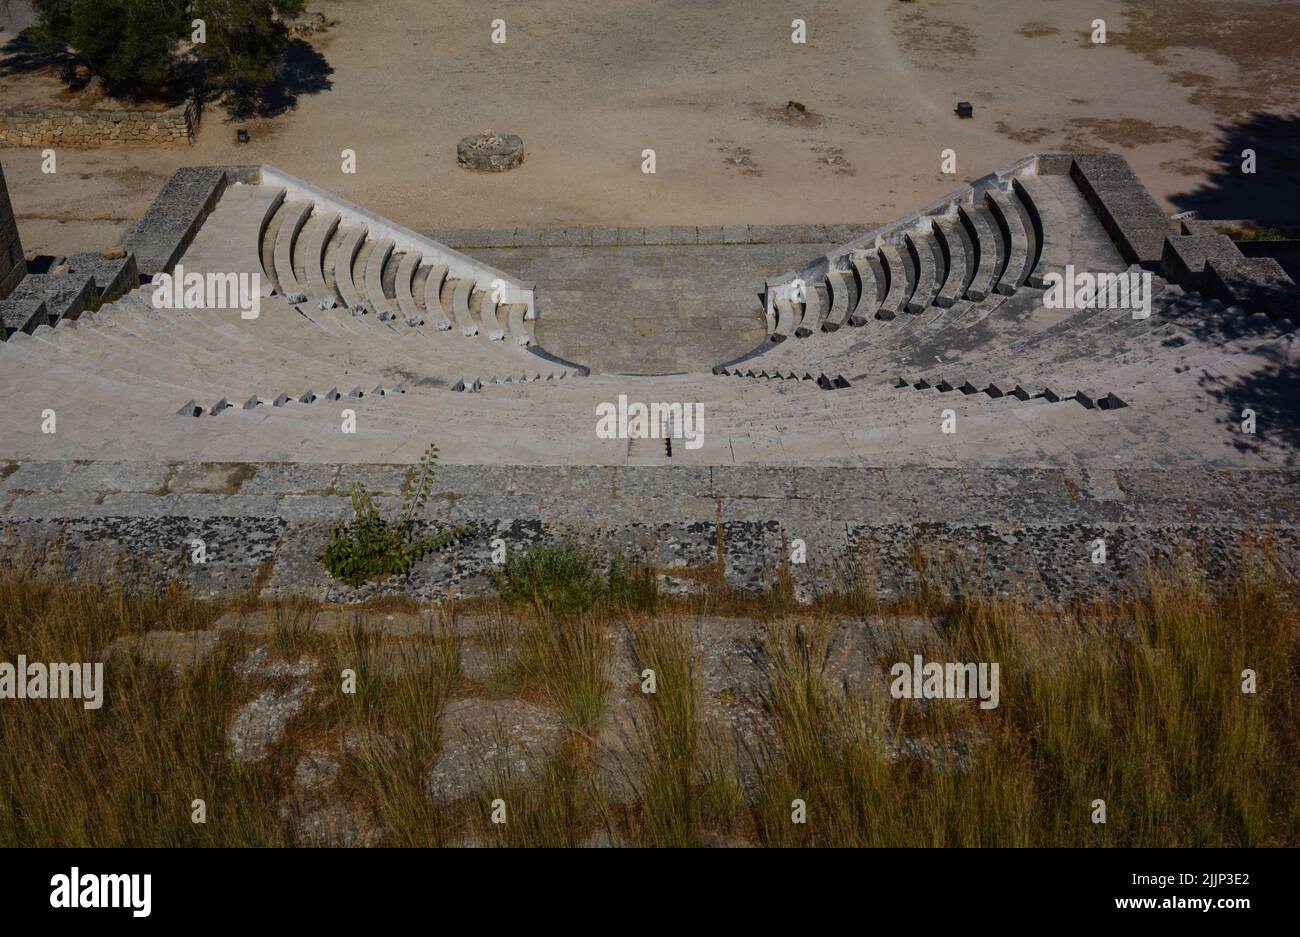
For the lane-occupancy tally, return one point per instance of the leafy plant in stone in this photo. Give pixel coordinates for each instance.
(565, 579)
(373, 546)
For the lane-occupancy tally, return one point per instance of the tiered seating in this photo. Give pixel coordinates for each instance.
(360, 315)
(321, 254)
(930, 272)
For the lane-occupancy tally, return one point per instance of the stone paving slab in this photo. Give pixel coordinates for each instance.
(659, 300)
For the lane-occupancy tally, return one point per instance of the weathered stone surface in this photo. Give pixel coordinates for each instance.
(112, 276)
(21, 314)
(715, 314)
(315, 771)
(179, 650)
(332, 824)
(33, 126)
(164, 232)
(675, 586)
(490, 152)
(259, 663)
(260, 723)
(12, 265)
(488, 740)
(1008, 528)
(477, 663)
(1125, 207)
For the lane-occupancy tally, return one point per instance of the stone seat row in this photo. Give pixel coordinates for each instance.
(295, 245)
(979, 252)
(309, 256)
(873, 420)
(982, 248)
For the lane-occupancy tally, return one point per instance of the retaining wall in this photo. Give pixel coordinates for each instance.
(48, 126)
(1030, 531)
(12, 265)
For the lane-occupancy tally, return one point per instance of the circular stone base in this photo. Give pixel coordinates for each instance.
(490, 152)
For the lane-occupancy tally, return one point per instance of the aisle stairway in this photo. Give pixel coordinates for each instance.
(941, 313)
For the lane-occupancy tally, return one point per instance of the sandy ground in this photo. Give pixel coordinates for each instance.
(590, 85)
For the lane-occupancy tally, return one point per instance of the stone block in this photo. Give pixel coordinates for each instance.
(1124, 206)
(168, 226)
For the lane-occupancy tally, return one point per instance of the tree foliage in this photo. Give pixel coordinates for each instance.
(137, 46)
(245, 43)
(127, 43)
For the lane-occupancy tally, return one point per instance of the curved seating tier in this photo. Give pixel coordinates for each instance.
(207, 383)
(320, 262)
(944, 267)
(881, 342)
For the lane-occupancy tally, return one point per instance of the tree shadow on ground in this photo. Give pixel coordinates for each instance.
(1273, 393)
(302, 71)
(19, 56)
(1271, 195)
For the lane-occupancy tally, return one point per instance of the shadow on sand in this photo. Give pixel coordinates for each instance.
(1271, 194)
(303, 71)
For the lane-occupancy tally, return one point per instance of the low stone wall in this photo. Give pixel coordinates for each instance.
(1032, 531)
(1130, 215)
(46, 126)
(12, 265)
(647, 235)
(166, 229)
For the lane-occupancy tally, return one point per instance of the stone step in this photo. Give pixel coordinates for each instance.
(990, 251)
(838, 282)
(344, 265)
(872, 285)
(293, 215)
(926, 257)
(406, 304)
(959, 257)
(433, 308)
(901, 274)
(1016, 234)
(376, 301)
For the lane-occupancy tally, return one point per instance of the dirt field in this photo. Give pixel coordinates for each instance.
(589, 86)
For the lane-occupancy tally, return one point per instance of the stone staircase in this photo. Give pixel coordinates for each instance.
(941, 311)
(956, 258)
(322, 254)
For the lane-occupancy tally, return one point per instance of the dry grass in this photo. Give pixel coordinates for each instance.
(125, 774)
(1137, 702)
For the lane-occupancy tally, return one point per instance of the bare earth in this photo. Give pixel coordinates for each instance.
(590, 85)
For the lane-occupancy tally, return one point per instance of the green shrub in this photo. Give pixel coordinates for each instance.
(1253, 234)
(373, 546)
(631, 586)
(138, 46)
(560, 579)
(565, 579)
(245, 47)
(127, 43)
